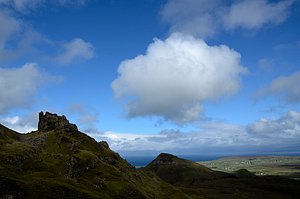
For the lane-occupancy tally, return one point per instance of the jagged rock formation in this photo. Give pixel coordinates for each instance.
(49, 122)
(58, 161)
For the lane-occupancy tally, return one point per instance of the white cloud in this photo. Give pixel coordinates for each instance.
(176, 76)
(74, 50)
(287, 126)
(22, 124)
(205, 17)
(18, 86)
(285, 87)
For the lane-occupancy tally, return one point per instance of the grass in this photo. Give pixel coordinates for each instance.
(265, 165)
(59, 164)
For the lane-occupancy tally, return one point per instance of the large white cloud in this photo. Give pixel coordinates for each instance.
(74, 50)
(286, 88)
(18, 86)
(205, 17)
(176, 76)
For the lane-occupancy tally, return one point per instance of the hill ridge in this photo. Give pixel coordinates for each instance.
(59, 161)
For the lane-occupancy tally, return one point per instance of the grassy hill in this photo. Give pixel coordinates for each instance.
(58, 161)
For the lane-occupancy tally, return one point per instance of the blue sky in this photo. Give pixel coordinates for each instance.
(150, 76)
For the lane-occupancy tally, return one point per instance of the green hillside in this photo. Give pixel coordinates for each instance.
(58, 161)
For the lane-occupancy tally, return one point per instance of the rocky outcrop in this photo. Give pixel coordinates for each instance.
(49, 122)
(103, 144)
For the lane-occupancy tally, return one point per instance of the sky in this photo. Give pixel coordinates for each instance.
(151, 76)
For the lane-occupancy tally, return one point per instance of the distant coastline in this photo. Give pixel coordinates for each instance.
(141, 161)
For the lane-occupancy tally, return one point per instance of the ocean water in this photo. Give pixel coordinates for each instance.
(144, 160)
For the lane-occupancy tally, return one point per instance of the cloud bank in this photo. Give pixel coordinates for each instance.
(263, 135)
(205, 17)
(287, 126)
(175, 77)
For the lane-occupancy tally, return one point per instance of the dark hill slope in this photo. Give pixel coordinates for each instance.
(7, 134)
(200, 182)
(181, 172)
(58, 161)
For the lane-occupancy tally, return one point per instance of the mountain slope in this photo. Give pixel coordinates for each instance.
(58, 161)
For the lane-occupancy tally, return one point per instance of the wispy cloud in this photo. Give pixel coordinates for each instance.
(286, 88)
(85, 116)
(253, 14)
(75, 50)
(25, 6)
(205, 18)
(19, 39)
(266, 65)
(9, 27)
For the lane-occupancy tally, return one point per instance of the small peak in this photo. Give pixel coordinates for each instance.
(166, 156)
(51, 121)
